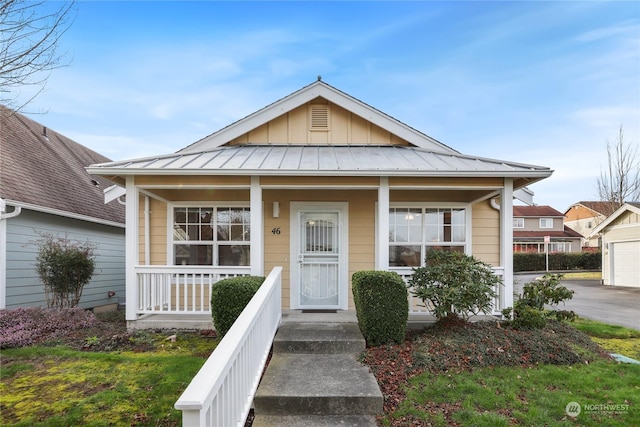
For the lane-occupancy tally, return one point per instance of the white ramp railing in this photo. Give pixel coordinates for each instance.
(222, 391)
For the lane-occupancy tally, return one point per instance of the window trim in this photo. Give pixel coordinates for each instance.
(468, 233)
(520, 219)
(191, 204)
(544, 219)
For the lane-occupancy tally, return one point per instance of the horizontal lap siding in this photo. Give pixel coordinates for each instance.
(23, 285)
(486, 233)
(362, 212)
(361, 230)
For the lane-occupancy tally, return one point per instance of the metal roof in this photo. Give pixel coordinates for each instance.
(353, 160)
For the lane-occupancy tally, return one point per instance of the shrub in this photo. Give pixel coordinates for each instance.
(457, 285)
(529, 310)
(64, 267)
(557, 261)
(382, 306)
(229, 297)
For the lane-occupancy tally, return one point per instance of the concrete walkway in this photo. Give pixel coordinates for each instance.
(314, 377)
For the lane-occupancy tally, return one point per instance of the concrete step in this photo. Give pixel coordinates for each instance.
(317, 384)
(327, 338)
(315, 421)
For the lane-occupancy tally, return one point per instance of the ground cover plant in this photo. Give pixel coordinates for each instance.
(71, 367)
(486, 373)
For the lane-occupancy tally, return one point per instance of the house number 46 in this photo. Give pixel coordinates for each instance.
(275, 230)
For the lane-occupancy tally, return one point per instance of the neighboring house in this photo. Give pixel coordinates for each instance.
(620, 237)
(44, 188)
(532, 224)
(319, 183)
(584, 216)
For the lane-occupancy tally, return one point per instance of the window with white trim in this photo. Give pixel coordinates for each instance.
(415, 231)
(518, 222)
(546, 222)
(211, 235)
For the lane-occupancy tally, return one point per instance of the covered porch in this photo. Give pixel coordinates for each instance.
(374, 229)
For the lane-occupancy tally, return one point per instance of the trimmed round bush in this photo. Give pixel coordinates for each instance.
(229, 297)
(382, 306)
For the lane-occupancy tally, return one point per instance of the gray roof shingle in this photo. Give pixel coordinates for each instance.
(40, 167)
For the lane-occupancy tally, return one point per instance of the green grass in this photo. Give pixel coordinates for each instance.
(538, 394)
(532, 396)
(612, 338)
(604, 330)
(57, 386)
(582, 275)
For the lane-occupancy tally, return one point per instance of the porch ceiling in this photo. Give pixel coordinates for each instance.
(326, 160)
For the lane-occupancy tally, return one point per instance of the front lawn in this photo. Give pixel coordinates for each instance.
(96, 375)
(488, 374)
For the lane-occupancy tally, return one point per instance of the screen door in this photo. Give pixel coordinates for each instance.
(319, 258)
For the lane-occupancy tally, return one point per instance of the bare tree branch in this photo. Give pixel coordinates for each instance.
(620, 181)
(29, 47)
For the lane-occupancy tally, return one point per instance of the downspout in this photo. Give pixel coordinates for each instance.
(494, 204)
(147, 234)
(3, 252)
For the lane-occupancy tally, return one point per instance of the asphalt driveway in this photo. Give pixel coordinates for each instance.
(616, 305)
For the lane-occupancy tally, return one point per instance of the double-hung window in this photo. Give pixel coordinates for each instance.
(546, 222)
(518, 222)
(211, 235)
(414, 231)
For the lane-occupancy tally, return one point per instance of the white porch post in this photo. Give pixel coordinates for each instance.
(257, 247)
(506, 241)
(131, 248)
(382, 226)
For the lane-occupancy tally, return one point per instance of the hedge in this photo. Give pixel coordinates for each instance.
(382, 306)
(557, 261)
(229, 297)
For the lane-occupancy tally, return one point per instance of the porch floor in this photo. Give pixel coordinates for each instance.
(205, 322)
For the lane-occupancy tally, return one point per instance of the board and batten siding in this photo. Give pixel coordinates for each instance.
(342, 127)
(23, 287)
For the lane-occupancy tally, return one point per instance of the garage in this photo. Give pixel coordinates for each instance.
(625, 265)
(619, 235)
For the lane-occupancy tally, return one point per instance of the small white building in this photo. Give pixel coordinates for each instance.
(620, 237)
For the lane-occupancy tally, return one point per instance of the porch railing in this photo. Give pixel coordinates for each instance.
(416, 306)
(222, 391)
(179, 289)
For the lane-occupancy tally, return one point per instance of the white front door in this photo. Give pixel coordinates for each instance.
(319, 249)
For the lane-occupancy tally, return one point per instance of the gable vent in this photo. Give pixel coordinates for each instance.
(319, 117)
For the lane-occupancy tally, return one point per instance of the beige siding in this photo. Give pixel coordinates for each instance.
(362, 212)
(187, 180)
(210, 196)
(361, 230)
(158, 226)
(320, 181)
(396, 181)
(486, 233)
(294, 127)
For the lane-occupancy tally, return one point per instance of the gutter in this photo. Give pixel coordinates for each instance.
(52, 211)
(17, 210)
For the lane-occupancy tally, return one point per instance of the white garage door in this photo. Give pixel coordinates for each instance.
(625, 268)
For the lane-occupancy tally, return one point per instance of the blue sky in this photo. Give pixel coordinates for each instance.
(545, 83)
